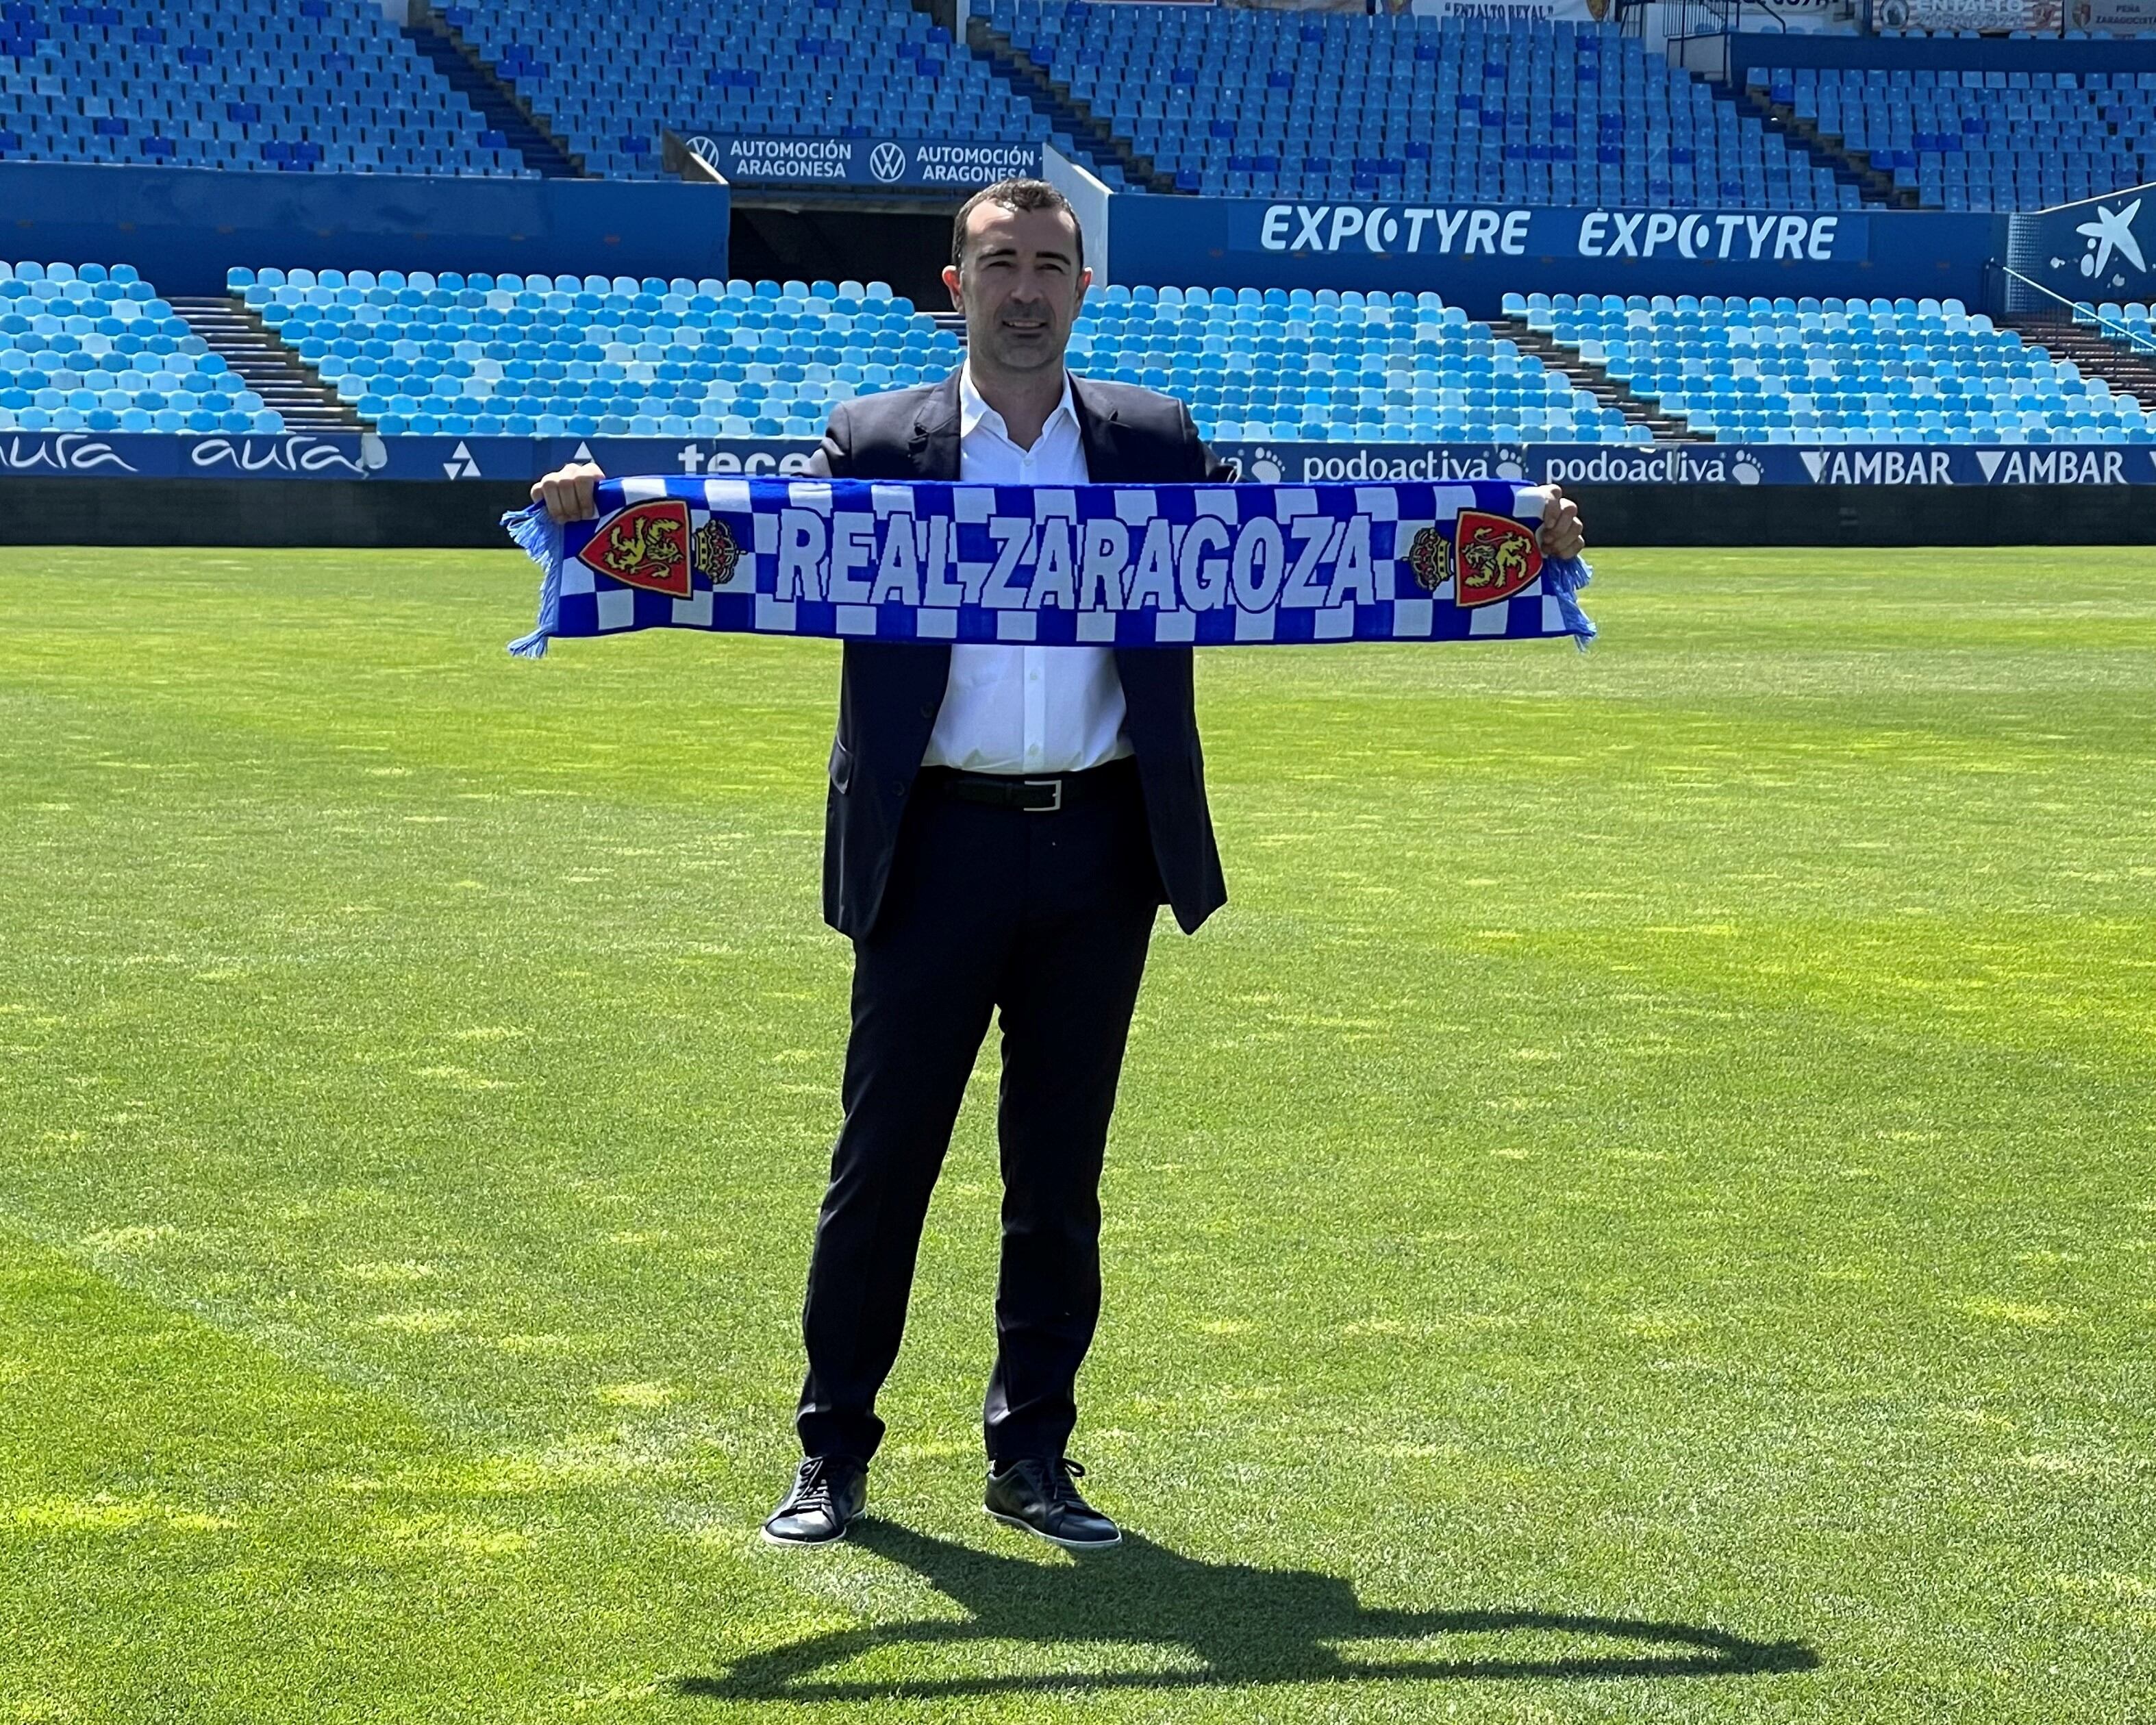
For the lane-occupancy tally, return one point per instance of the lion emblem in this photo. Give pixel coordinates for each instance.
(1496, 557)
(643, 546)
(646, 545)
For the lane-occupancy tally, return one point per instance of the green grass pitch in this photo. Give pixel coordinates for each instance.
(1641, 1209)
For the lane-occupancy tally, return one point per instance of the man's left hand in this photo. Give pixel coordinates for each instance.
(1562, 534)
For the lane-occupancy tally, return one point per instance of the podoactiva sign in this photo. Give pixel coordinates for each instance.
(91, 456)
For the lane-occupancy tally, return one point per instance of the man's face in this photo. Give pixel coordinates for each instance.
(1020, 287)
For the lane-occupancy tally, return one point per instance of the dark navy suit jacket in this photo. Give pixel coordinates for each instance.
(890, 691)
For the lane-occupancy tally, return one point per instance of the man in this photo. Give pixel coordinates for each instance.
(1003, 823)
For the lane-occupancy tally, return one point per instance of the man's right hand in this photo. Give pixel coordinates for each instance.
(568, 492)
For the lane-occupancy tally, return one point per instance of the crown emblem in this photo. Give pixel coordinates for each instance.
(716, 554)
(1430, 558)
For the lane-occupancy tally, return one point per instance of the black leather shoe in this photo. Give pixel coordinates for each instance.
(1041, 1497)
(828, 1493)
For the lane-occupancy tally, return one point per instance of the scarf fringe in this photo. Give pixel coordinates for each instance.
(1561, 577)
(542, 540)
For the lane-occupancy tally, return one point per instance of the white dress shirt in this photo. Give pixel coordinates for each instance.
(1025, 709)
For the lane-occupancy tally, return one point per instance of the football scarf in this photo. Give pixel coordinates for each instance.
(1106, 565)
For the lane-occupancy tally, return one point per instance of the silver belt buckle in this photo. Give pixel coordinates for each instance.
(1054, 785)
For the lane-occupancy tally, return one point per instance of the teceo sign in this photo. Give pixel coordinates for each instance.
(1399, 231)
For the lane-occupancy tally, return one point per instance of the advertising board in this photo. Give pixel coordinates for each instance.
(911, 164)
(2040, 16)
(1474, 254)
(1711, 465)
(2122, 16)
(1891, 465)
(2098, 250)
(303, 456)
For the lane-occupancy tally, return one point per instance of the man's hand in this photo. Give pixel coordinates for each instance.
(1561, 535)
(568, 492)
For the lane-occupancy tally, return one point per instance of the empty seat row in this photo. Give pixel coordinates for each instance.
(1980, 140)
(539, 356)
(84, 348)
(1231, 102)
(274, 85)
(1834, 370)
(612, 77)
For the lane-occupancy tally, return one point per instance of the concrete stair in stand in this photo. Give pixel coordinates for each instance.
(1826, 148)
(1054, 103)
(499, 105)
(1586, 374)
(267, 366)
(2085, 344)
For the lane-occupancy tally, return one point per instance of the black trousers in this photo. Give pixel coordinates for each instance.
(1047, 917)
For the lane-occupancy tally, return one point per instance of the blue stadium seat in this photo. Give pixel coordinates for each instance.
(1928, 371)
(1399, 109)
(2022, 142)
(85, 348)
(330, 85)
(1373, 367)
(612, 76)
(478, 355)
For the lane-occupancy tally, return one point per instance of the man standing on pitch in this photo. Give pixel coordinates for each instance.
(1003, 823)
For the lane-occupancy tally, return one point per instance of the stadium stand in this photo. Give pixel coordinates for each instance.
(2114, 341)
(2130, 326)
(1982, 141)
(1334, 367)
(489, 356)
(83, 348)
(611, 77)
(1234, 102)
(486, 356)
(287, 85)
(534, 355)
(2135, 328)
(1835, 371)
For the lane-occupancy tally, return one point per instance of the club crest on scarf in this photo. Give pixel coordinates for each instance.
(1497, 557)
(1430, 558)
(646, 545)
(716, 555)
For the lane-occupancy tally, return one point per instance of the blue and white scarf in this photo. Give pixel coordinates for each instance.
(1108, 565)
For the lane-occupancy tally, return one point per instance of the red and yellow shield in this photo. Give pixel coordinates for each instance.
(646, 545)
(1494, 557)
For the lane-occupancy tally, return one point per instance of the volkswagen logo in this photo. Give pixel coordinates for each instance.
(887, 163)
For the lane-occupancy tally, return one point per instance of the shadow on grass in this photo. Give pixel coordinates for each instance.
(1243, 1625)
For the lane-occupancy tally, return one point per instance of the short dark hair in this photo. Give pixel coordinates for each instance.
(1013, 194)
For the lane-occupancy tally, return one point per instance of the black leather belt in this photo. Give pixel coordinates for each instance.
(1036, 794)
